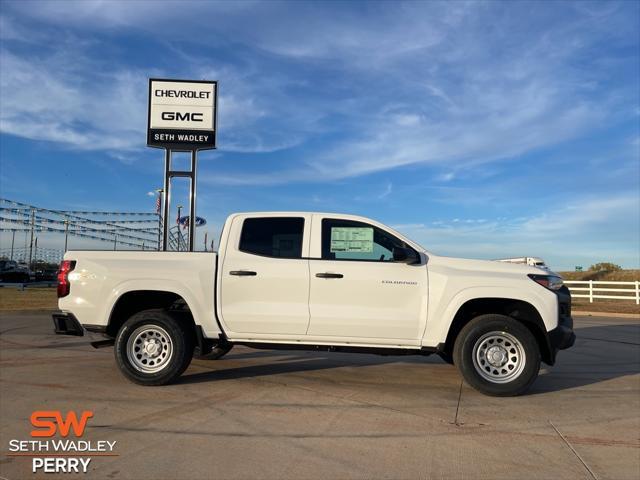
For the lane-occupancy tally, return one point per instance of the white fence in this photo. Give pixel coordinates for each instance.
(592, 289)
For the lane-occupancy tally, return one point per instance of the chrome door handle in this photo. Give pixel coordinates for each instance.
(329, 275)
(242, 273)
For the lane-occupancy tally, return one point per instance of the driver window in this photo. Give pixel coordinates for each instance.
(350, 240)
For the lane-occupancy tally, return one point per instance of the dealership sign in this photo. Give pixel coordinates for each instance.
(182, 114)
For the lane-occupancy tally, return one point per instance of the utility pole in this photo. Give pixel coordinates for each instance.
(115, 241)
(206, 234)
(33, 221)
(35, 251)
(13, 240)
(66, 233)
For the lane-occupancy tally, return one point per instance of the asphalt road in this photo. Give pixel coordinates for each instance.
(274, 414)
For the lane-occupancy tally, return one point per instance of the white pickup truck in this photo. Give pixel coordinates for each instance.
(316, 281)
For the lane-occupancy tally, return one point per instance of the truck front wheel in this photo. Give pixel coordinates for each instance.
(497, 355)
(153, 347)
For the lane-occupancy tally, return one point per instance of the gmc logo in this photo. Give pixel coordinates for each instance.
(49, 421)
(182, 117)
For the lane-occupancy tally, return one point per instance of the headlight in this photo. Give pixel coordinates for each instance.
(552, 282)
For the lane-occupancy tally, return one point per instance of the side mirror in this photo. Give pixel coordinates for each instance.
(405, 255)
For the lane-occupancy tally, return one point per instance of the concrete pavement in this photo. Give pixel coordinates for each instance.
(275, 414)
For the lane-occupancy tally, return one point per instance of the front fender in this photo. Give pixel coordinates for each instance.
(442, 313)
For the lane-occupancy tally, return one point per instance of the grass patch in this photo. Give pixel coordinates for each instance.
(604, 305)
(619, 276)
(12, 299)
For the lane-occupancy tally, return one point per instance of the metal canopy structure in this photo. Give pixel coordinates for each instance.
(134, 230)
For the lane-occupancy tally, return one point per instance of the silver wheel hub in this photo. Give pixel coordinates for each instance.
(149, 349)
(498, 357)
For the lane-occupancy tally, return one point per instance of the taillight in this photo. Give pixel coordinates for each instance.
(63, 277)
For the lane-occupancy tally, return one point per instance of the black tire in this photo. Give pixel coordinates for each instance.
(217, 352)
(174, 337)
(446, 357)
(480, 349)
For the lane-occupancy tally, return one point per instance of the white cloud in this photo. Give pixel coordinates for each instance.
(415, 83)
(47, 99)
(567, 236)
(386, 192)
(67, 96)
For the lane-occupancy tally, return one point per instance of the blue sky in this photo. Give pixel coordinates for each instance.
(479, 129)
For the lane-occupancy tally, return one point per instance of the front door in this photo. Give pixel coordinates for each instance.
(358, 290)
(265, 280)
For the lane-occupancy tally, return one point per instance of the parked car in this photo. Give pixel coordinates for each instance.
(316, 281)
(14, 272)
(45, 274)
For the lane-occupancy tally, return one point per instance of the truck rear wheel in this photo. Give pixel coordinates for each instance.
(497, 355)
(153, 347)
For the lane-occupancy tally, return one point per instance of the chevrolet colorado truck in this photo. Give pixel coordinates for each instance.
(317, 281)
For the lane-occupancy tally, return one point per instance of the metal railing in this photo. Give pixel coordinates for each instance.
(592, 289)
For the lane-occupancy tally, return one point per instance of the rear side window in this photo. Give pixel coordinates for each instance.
(279, 237)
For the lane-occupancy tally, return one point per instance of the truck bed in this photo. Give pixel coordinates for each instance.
(101, 277)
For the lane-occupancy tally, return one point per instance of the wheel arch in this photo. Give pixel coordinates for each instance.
(520, 310)
(134, 301)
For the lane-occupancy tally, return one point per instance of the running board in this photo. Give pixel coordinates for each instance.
(103, 343)
(340, 348)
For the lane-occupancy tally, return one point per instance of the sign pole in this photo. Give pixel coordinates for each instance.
(192, 202)
(181, 117)
(159, 211)
(166, 200)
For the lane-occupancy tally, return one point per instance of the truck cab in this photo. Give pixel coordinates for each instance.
(318, 281)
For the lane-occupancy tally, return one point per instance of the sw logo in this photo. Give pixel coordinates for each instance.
(60, 454)
(50, 421)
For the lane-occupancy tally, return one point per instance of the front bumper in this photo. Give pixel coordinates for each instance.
(563, 336)
(67, 324)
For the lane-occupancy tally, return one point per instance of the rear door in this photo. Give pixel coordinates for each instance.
(359, 291)
(265, 275)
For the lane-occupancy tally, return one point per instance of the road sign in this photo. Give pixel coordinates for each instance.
(182, 114)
